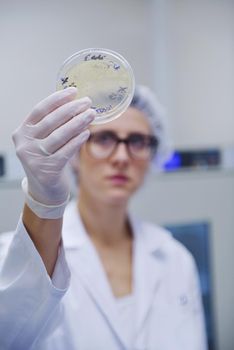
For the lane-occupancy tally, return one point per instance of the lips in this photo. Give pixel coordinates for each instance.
(118, 179)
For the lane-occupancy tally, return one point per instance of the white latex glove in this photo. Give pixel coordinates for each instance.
(45, 142)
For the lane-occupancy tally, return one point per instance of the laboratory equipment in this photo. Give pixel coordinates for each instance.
(103, 75)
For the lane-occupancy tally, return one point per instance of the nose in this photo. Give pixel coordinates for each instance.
(121, 153)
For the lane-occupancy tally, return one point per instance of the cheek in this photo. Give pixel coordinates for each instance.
(141, 170)
(89, 169)
(143, 167)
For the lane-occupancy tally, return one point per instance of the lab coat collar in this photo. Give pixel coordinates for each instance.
(148, 267)
(76, 235)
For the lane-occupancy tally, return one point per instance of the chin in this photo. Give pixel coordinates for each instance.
(118, 197)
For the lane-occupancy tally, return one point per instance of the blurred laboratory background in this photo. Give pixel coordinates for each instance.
(182, 49)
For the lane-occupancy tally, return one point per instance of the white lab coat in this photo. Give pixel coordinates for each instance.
(76, 310)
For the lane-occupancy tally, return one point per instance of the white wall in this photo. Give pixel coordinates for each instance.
(194, 73)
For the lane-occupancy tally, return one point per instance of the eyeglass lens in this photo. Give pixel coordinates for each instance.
(103, 144)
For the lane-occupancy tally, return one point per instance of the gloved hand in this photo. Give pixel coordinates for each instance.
(46, 140)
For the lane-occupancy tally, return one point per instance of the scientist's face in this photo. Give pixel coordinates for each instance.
(110, 170)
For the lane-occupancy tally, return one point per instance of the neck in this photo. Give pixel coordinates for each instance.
(105, 223)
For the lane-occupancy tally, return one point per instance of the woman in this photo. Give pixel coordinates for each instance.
(94, 277)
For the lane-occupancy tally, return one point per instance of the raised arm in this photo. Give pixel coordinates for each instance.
(45, 142)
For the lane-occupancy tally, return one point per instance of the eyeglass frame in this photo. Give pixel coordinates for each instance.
(151, 142)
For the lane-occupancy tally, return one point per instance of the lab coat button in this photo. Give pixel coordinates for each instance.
(183, 299)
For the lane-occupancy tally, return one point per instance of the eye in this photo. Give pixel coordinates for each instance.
(137, 141)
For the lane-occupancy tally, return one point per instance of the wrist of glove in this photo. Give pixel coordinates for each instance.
(43, 211)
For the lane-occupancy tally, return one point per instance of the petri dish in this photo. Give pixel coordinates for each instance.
(103, 75)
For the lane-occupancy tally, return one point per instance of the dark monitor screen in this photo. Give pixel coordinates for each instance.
(199, 158)
(195, 237)
(2, 166)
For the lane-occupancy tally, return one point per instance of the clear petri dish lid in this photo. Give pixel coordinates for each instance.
(103, 75)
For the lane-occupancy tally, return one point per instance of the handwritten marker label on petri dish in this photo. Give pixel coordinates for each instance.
(103, 75)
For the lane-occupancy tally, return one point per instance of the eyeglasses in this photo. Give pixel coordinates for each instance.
(102, 145)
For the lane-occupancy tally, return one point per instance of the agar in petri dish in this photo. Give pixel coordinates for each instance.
(103, 75)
